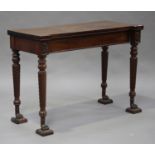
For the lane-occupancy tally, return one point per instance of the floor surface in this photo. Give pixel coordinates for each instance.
(76, 117)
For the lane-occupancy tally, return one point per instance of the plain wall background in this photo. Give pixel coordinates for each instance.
(73, 79)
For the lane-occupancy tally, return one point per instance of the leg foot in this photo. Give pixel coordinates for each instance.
(134, 109)
(18, 119)
(105, 100)
(44, 131)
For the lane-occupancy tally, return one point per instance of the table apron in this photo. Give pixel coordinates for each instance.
(73, 43)
(68, 43)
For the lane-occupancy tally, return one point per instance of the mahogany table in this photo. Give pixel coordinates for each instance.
(43, 41)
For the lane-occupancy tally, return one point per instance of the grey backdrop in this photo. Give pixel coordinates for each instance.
(74, 85)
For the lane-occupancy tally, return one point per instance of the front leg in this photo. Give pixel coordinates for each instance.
(44, 130)
(104, 60)
(133, 72)
(19, 118)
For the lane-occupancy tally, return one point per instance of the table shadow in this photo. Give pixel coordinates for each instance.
(68, 117)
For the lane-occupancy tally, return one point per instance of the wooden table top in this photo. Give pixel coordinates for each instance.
(70, 30)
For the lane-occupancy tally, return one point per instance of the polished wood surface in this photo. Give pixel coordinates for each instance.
(70, 30)
(43, 41)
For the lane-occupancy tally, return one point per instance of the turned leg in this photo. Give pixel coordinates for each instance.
(104, 60)
(44, 130)
(18, 119)
(133, 71)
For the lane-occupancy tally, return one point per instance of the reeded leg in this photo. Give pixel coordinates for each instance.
(104, 59)
(133, 71)
(18, 119)
(44, 130)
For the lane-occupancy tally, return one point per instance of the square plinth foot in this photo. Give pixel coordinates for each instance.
(19, 119)
(134, 110)
(44, 131)
(105, 100)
